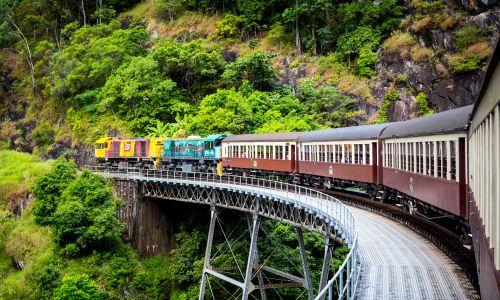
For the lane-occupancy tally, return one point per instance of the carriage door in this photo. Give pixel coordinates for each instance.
(292, 157)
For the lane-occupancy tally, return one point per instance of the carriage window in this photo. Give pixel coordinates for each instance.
(388, 152)
(441, 154)
(402, 155)
(453, 170)
(331, 157)
(260, 151)
(355, 156)
(286, 152)
(430, 158)
(367, 153)
(347, 153)
(321, 149)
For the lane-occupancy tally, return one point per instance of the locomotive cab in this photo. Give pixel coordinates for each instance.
(102, 147)
(212, 146)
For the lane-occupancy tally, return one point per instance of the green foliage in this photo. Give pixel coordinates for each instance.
(228, 26)
(169, 8)
(251, 13)
(47, 278)
(247, 110)
(155, 278)
(389, 99)
(193, 66)
(79, 287)
(18, 172)
(464, 64)
(277, 34)
(401, 78)
(330, 107)
(363, 38)
(190, 245)
(140, 95)
(471, 59)
(423, 105)
(254, 67)
(92, 55)
(365, 62)
(425, 7)
(365, 24)
(43, 135)
(86, 218)
(49, 187)
(467, 36)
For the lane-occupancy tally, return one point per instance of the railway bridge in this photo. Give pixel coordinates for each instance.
(384, 261)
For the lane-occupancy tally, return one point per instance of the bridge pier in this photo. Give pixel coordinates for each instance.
(149, 223)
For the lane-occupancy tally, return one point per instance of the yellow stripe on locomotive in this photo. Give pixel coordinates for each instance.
(101, 146)
(156, 147)
(127, 148)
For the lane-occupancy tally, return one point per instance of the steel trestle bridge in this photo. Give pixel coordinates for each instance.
(291, 204)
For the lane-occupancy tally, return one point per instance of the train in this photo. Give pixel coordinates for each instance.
(418, 164)
(445, 167)
(191, 154)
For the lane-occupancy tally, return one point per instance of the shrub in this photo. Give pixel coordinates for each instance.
(390, 98)
(169, 8)
(422, 23)
(467, 36)
(277, 34)
(49, 187)
(423, 105)
(254, 67)
(471, 59)
(86, 219)
(398, 41)
(421, 54)
(401, 78)
(229, 26)
(78, 287)
(425, 7)
(365, 62)
(448, 22)
(43, 135)
(362, 38)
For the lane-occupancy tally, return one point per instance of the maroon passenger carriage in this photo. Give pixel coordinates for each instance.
(340, 156)
(270, 153)
(424, 164)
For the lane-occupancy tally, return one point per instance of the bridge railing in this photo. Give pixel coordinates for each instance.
(331, 209)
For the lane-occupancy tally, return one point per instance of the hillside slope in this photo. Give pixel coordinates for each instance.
(237, 66)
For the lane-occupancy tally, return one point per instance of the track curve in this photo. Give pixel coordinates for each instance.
(400, 264)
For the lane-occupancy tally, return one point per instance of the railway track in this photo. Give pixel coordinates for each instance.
(442, 238)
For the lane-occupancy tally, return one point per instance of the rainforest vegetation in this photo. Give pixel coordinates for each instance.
(73, 71)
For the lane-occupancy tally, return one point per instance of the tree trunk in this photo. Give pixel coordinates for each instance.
(83, 12)
(26, 45)
(58, 39)
(297, 32)
(313, 36)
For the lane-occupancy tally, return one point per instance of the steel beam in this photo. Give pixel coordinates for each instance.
(326, 264)
(260, 277)
(206, 265)
(305, 265)
(251, 256)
